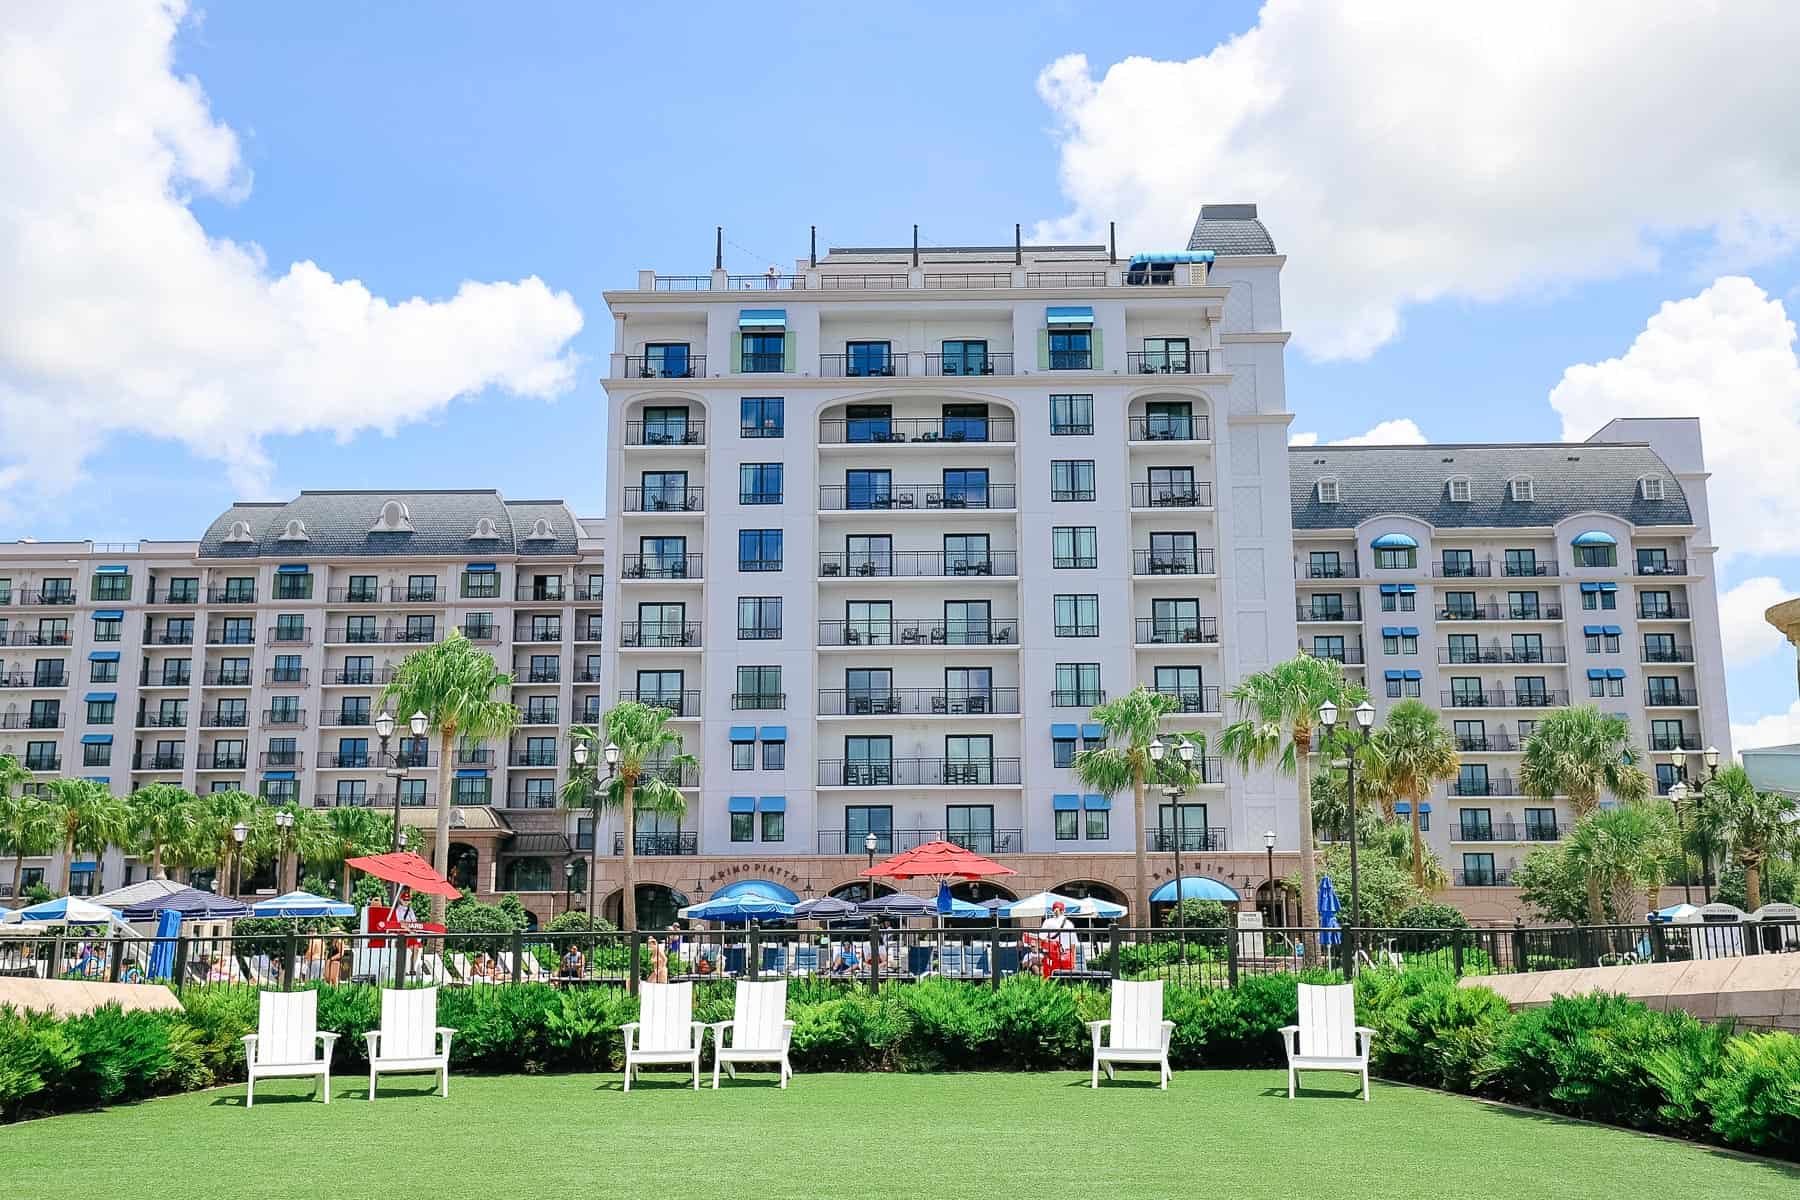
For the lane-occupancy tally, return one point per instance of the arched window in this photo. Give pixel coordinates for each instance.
(395, 518)
(541, 531)
(485, 531)
(1396, 552)
(239, 532)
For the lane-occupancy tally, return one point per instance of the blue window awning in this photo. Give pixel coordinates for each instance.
(293, 569)
(1613, 631)
(96, 739)
(471, 772)
(1065, 802)
(1395, 541)
(110, 570)
(1615, 673)
(1396, 674)
(1172, 256)
(774, 733)
(83, 868)
(1062, 732)
(1593, 630)
(1596, 537)
(1407, 589)
(1414, 675)
(1409, 631)
(1390, 589)
(762, 318)
(278, 774)
(109, 614)
(1390, 631)
(743, 733)
(741, 804)
(772, 804)
(1609, 587)
(482, 567)
(1590, 587)
(1596, 672)
(1403, 809)
(1095, 802)
(1069, 314)
(1092, 732)
(104, 656)
(93, 696)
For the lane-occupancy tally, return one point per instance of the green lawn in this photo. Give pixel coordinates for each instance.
(919, 1137)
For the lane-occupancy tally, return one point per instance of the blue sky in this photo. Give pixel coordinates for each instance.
(414, 147)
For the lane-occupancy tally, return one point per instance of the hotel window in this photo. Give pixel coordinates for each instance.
(758, 687)
(49, 672)
(1077, 616)
(1077, 686)
(966, 358)
(1651, 486)
(1062, 751)
(1663, 689)
(1071, 416)
(1325, 564)
(473, 790)
(1600, 601)
(1459, 491)
(240, 589)
(1522, 489)
(774, 824)
(285, 710)
(100, 712)
(743, 825)
(743, 754)
(1399, 601)
(1328, 491)
(1600, 641)
(1521, 564)
(289, 627)
(1597, 556)
(1071, 349)
(293, 585)
(6, 591)
(759, 618)
(412, 792)
(868, 358)
(1074, 547)
(1099, 822)
(759, 549)
(1397, 558)
(1531, 690)
(1072, 479)
(774, 754)
(480, 585)
(965, 488)
(421, 589)
(1523, 606)
(108, 629)
(760, 417)
(1478, 870)
(1460, 606)
(759, 483)
(860, 820)
(113, 585)
(1166, 355)
(422, 629)
(1068, 821)
(1459, 564)
(666, 360)
(761, 352)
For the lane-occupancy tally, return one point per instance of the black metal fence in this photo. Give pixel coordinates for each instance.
(980, 951)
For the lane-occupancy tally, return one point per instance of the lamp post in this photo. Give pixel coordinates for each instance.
(395, 770)
(1269, 847)
(239, 832)
(569, 885)
(1709, 757)
(284, 821)
(1355, 739)
(611, 756)
(1678, 794)
(869, 844)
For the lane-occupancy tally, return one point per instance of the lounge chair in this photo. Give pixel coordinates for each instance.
(1136, 1032)
(410, 1040)
(806, 959)
(287, 1043)
(760, 1030)
(950, 960)
(665, 1031)
(1327, 1037)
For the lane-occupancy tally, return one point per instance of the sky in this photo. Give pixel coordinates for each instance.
(247, 249)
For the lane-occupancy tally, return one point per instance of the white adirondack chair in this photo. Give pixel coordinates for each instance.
(1327, 1037)
(760, 1030)
(287, 1043)
(410, 1040)
(1136, 1033)
(665, 1031)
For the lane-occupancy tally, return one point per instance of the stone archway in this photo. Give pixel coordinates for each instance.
(657, 905)
(858, 890)
(465, 866)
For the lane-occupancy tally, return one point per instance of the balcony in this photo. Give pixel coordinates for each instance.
(1674, 610)
(172, 595)
(225, 718)
(589, 592)
(1665, 742)
(758, 701)
(528, 798)
(290, 635)
(1065, 279)
(691, 432)
(551, 674)
(373, 800)
(971, 364)
(181, 679)
(527, 631)
(1669, 566)
(1168, 362)
(984, 841)
(760, 363)
(284, 718)
(357, 760)
(1491, 877)
(345, 717)
(1501, 698)
(533, 758)
(539, 716)
(1498, 742)
(1173, 562)
(1672, 698)
(589, 631)
(482, 635)
(54, 597)
(997, 631)
(1667, 654)
(1166, 631)
(917, 564)
(660, 845)
(1531, 569)
(665, 500)
(687, 366)
(915, 497)
(1194, 494)
(1077, 697)
(650, 566)
(1350, 655)
(1192, 700)
(937, 702)
(172, 637)
(43, 762)
(1190, 841)
(223, 636)
(1504, 831)
(679, 704)
(918, 772)
(1460, 656)
(228, 760)
(359, 677)
(1493, 785)
(157, 761)
(231, 595)
(37, 679)
(370, 594)
(1331, 568)
(856, 366)
(1170, 428)
(586, 675)
(1349, 610)
(233, 677)
(176, 719)
(32, 720)
(551, 590)
(1501, 612)
(1462, 570)
(36, 637)
(277, 759)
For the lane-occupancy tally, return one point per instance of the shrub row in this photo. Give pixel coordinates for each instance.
(1598, 1057)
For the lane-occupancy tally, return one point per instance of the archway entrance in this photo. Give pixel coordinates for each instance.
(1279, 905)
(863, 889)
(657, 905)
(465, 864)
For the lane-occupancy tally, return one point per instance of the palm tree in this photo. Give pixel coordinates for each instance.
(210, 840)
(348, 833)
(160, 816)
(1277, 709)
(1410, 754)
(454, 685)
(649, 755)
(1132, 722)
(310, 840)
(89, 817)
(1621, 850)
(28, 823)
(1580, 753)
(1755, 825)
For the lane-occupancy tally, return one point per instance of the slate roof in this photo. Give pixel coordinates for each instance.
(339, 525)
(1567, 478)
(1230, 229)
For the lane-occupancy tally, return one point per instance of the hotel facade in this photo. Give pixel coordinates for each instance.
(880, 533)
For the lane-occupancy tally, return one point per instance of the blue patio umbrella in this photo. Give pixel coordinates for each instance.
(747, 907)
(162, 954)
(962, 910)
(896, 904)
(1328, 912)
(301, 905)
(192, 903)
(824, 908)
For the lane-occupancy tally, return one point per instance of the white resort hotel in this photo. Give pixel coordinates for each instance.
(881, 532)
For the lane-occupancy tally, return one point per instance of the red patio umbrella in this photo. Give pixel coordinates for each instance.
(408, 869)
(937, 860)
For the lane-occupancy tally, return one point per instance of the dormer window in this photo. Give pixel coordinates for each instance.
(239, 532)
(485, 531)
(295, 531)
(541, 531)
(395, 518)
(1523, 489)
(1458, 489)
(1650, 487)
(1328, 491)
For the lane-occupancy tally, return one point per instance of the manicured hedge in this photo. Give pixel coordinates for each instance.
(1598, 1057)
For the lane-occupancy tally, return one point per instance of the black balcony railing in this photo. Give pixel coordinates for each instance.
(1501, 612)
(1168, 362)
(174, 719)
(1340, 568)
(1482, 877)
(1173, 427)
(290, 635)
(43, 679)
(992, 362)
(1530, 569)
(538, 716)
(686, 366)
(55, 596)
(997, 631)
(225, 718)
(284, 718)
(917, 564)
(221, 760)
(37, 637)
(31, 720)
(355, 760)
(1191, 494)
(1165, 841)
(157, 761)
(888, 841)
(1499, 741)
(359, 594)
(1071, 360)
(1350, 654)
(1348, 609)
(1466, 655)
(758, 701)
(222, 636)
(1175, 631)
(228, 677)
(346, 716)
(1501, 698)
(550, 674)
(665, 499)
(1173, 562)
(761, 362)
(1664, 742)
(918, 772)
(1077, 697)
(181, 678)
(665, 566)
(171, 595)
(660, 845)
(680, 704)
(275, 759)
(231, 595)
(1468, 830)
(172, 637)
(486, 634)
(552, 590)
(1462, 570)
(1668, 654)
(691, 432)
(1674, 610)
(659, 634)
(1491, 785)
(359, 676)
(887, 702)
(1669, 566)
(1672, 698)
(838, 497)
(856, 366)
(533, 758)
(1203, 699)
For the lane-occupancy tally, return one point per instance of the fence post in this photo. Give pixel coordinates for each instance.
(180, 961)
(637, 961)
(994, 955)
(1659, 947)
(1519, 956)
(287, 961)
(1456, 952)
(399, 945)
(874, 955)
(1231, 956)
(518, 955)
(1752, 932)
(115, 960)
(1112, 950)
(754, 967)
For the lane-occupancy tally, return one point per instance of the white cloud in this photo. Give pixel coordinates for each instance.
(1401, 431)
(1727, 357)
(1406, 152)
(119, 315)
(1777, 729)
(1747, 636)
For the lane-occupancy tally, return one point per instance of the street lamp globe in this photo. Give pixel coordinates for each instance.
(283, 818)
(1157, 749)
(1711, 754)
(1186, 750)
(419, 724)
(1678, 793)
(611, 754)
(1365, 715)
(239, 832)
(581, 752)
(1269, 839)
(1328, 714)
(384, 725)
(1678, 756)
